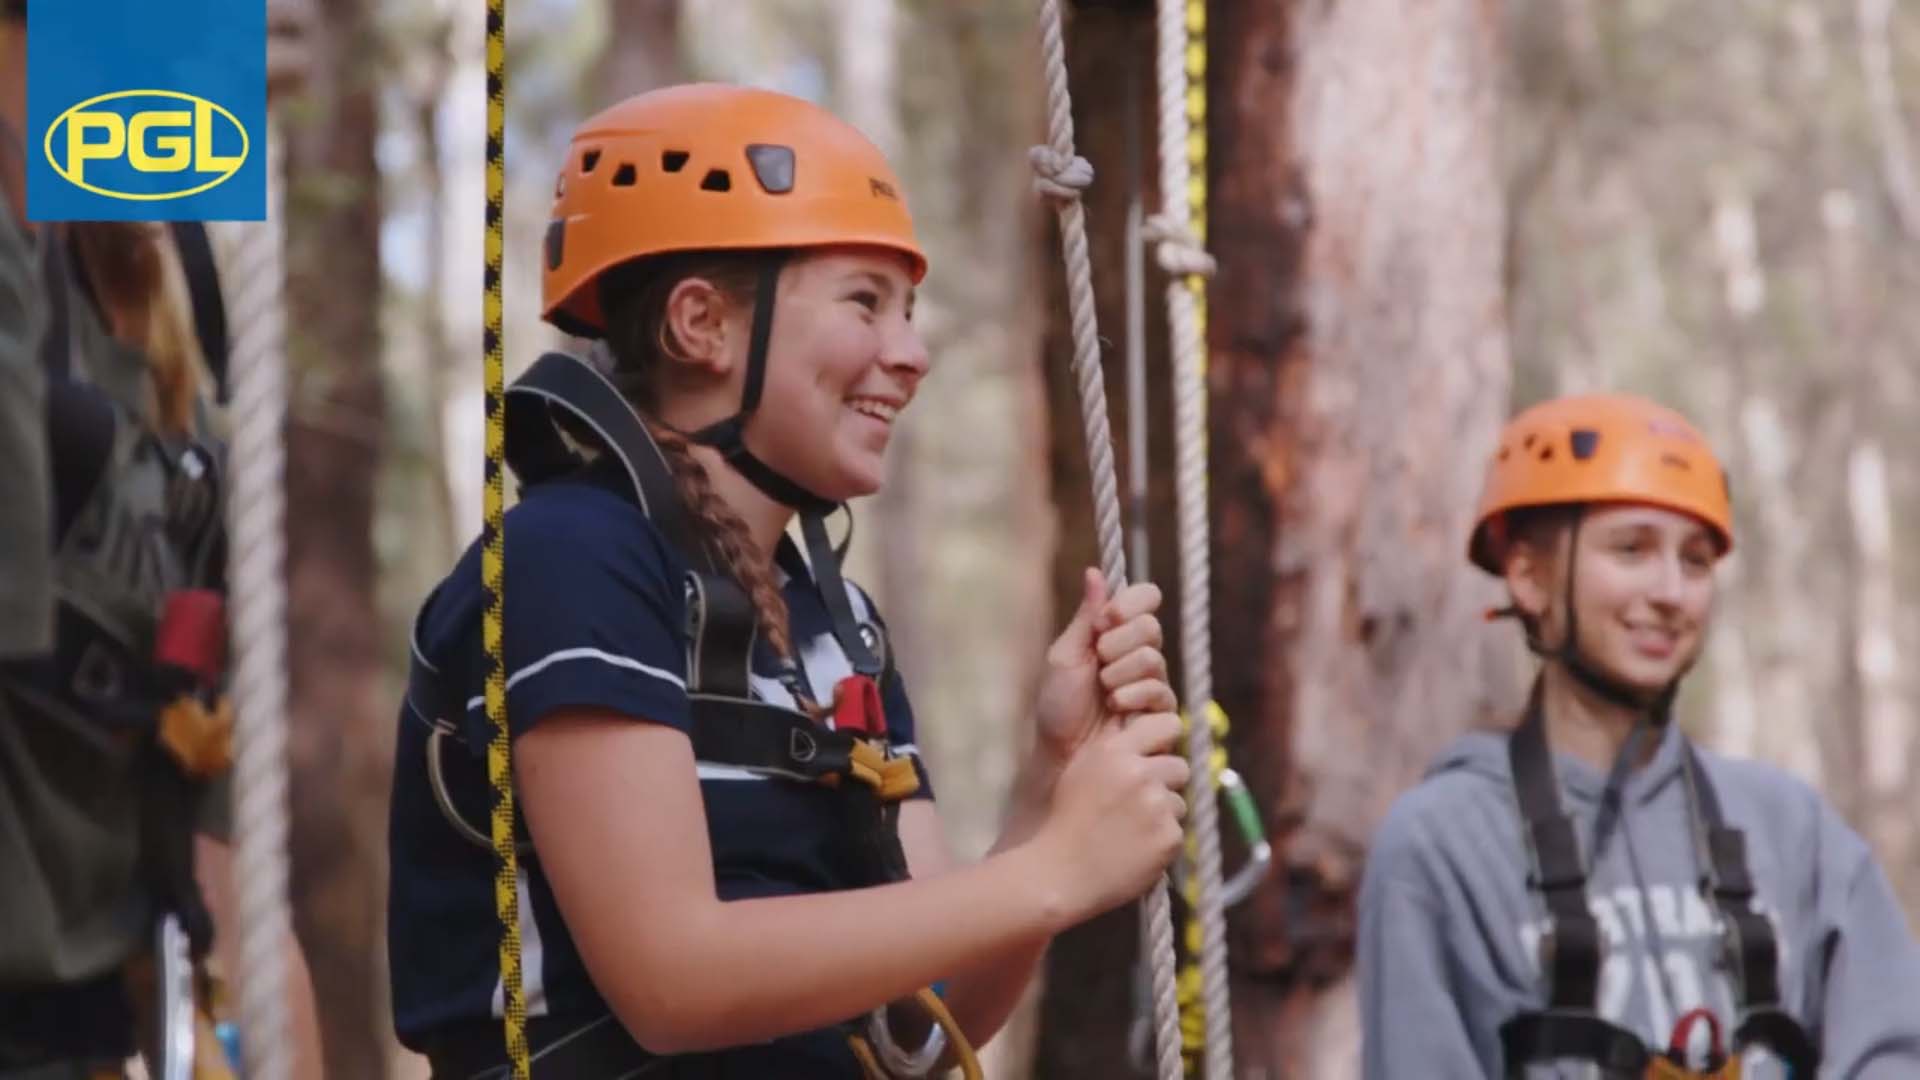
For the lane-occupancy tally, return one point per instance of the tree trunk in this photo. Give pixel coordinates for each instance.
(340, 719)
(1360, 376)
(643, 48)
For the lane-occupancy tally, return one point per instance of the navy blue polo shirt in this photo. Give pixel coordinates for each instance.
(595, 611)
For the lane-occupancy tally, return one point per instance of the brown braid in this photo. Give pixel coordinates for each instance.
(635, 295)
(726, 536)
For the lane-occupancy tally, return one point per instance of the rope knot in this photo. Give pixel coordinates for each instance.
(1059, 176)
(1179, 251)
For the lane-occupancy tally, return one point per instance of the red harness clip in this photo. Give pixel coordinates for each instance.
(857, 708)
(1680, 1041)
(192, 635)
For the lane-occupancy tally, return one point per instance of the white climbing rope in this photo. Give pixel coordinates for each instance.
(1184, 259)
(253, 280)
(1062, 175)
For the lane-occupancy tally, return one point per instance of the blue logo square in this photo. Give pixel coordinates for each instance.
(147, 111)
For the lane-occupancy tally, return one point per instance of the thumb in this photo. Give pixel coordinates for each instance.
(1077, 638)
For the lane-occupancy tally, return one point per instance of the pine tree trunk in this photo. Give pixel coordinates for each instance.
(341, 722)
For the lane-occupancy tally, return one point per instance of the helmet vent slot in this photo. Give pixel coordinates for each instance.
(716, 180)
(772, 166)
(1585, 441)
(673, 160)
(624, 175)
(588, 160)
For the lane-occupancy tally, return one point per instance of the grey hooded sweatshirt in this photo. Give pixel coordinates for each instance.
(1449, 929)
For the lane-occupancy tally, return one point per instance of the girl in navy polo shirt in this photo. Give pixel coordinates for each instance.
(750, 265)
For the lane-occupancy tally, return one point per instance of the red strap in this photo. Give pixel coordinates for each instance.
(193, 634)
(857, 708)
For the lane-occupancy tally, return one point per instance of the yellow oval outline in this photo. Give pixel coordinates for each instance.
(246, 147)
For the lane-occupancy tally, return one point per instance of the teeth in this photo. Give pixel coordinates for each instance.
(879, 410)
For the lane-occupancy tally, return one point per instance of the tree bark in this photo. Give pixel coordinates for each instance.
(643, 48)
(340, 723)
(1360, 376)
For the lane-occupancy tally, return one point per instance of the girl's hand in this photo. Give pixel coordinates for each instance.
(1105, 664)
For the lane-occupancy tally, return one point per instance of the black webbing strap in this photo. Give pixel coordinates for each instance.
(825, 562)
(56, 348)
(1579, 1035)
(1573, 961)
(721, 627)
(729, 436)
(1752, 950)
(536, 452)
(762, 737)
(203, 290)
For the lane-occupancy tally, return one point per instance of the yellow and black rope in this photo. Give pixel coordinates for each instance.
(1197, 155)
(506, 892)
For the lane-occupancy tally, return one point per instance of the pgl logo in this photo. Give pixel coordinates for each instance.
(880, 189)
(147, 145)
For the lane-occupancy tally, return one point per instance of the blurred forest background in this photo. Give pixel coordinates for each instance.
(1424, 215)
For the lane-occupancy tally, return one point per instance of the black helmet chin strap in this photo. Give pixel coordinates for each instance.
(1657, 709)
(729, 436)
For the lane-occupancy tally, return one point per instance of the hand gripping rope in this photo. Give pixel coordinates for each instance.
(1062, 175)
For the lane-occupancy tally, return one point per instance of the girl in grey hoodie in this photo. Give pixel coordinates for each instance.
(1591, 895)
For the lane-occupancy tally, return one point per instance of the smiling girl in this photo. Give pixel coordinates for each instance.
(700, 895)
(1692, 914)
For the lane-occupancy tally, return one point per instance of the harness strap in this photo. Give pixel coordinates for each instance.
(765, 738)
(1569, 1027)
(1574, 1034)
(721, 627)
(536, 451)
(203, 290)
(833, 590)
(1571, 953)
(56, 348)
(1753, 953)
(1776, 1030)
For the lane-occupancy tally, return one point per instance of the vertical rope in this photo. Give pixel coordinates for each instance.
(1181, 70)
(1062, 174)
(256, 509)
(506, 892)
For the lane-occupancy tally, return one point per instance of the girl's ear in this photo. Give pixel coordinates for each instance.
(697, 326)
(1529, 576)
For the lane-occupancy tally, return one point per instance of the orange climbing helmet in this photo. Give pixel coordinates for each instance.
(711, 167)
(1599, 448)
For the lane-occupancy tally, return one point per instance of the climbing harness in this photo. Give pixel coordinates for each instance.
(731, 726)
(138, 555)
(1572, 950)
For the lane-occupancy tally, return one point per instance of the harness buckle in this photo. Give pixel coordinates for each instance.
(801, 746)
(857, 708)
